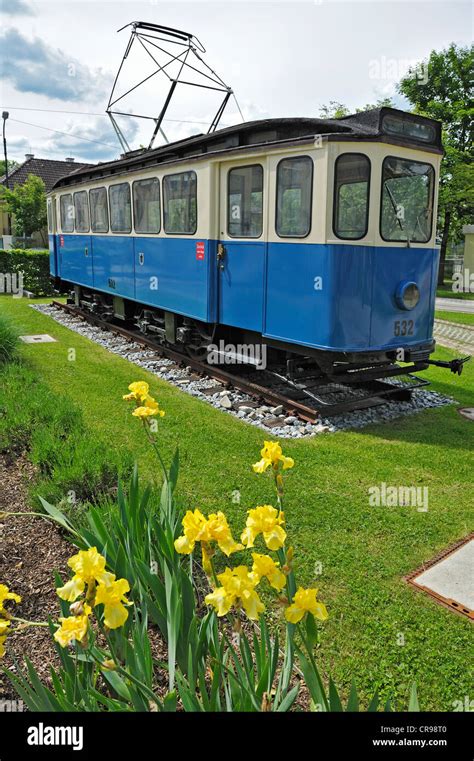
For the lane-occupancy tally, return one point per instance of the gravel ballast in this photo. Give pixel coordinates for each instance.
(273, 420)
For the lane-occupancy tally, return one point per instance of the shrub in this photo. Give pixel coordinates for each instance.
(33, 264)
(70, 463)
(8, 340)
(82, 471)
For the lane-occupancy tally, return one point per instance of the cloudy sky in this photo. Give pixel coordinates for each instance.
(58, 59)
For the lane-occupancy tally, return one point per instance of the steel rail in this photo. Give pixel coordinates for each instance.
(292, 406)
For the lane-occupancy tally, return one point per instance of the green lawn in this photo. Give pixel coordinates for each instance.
(461, 317)
(446, 292)
(365, 551)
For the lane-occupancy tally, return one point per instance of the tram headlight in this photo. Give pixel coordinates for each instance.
(407, 295)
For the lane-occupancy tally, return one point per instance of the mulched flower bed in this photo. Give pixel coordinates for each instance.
(31, 550)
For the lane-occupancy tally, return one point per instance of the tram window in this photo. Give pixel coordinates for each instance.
(245, 202)
(406, 211)
(180, 203)
(81, 209)
(146, 205)
(49, 211)
(67, 213)
(351, 196)
(99, 210)
(120, 208)
(294, 195)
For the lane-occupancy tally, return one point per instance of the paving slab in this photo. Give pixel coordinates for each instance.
(452, 577)
(42, 338)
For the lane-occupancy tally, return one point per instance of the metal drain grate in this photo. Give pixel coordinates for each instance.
(448, 577)
(42, 338)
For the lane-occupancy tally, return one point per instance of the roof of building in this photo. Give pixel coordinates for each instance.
(366, 125)
(50, 171)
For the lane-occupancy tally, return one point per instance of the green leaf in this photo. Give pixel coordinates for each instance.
(334, 699)
(288, 700)
(58, 517)
(374, 703)
(353, 701)
(169, 703)
(413, 704)
(313, 681)
(311, 631)
(174, 470)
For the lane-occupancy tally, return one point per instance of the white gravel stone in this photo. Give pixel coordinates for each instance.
(235, 402)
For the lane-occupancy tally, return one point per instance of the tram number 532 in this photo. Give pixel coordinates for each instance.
(403, 327)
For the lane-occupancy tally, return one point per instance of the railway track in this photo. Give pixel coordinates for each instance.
(306, 395)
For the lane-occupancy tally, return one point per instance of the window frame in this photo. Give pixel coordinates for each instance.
(412, 161)
(116, 185)
(231, 169)
(147, 179)
(403, 135)
(334, 204)
(291, 158)
(49, 214)
(100, 232)
(174, 174)
(64, 195)
(77, 193)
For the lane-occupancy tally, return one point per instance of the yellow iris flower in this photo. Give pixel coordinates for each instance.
(237, 588)
(197, 528)
(102, 588)
(3, 635)
(265, 520)
(111, 593)
(304, 602)
(146, 405)
(5, 594)
(206, 554)
(148, 408)
(265, 566)
(272, 456)
(73, 628)
(139, 391)
(88, 566)
(220, 600)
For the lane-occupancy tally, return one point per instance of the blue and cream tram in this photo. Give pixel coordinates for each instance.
(313, 236)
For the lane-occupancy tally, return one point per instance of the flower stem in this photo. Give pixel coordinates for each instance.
(29, 623)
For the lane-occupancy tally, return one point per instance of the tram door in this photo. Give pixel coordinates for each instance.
(241, 245)
(52, 228)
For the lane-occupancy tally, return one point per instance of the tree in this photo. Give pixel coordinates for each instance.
(380, 103)
(27, 203)
(445, 94)
(336, 110)
(12, 165)
(333, 110)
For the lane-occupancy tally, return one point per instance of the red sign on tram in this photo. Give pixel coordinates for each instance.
(61, 240)
(200, 250)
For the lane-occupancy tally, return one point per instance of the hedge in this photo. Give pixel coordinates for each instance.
(33, 264)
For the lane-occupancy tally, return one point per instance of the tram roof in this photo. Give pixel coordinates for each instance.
(362, 126)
